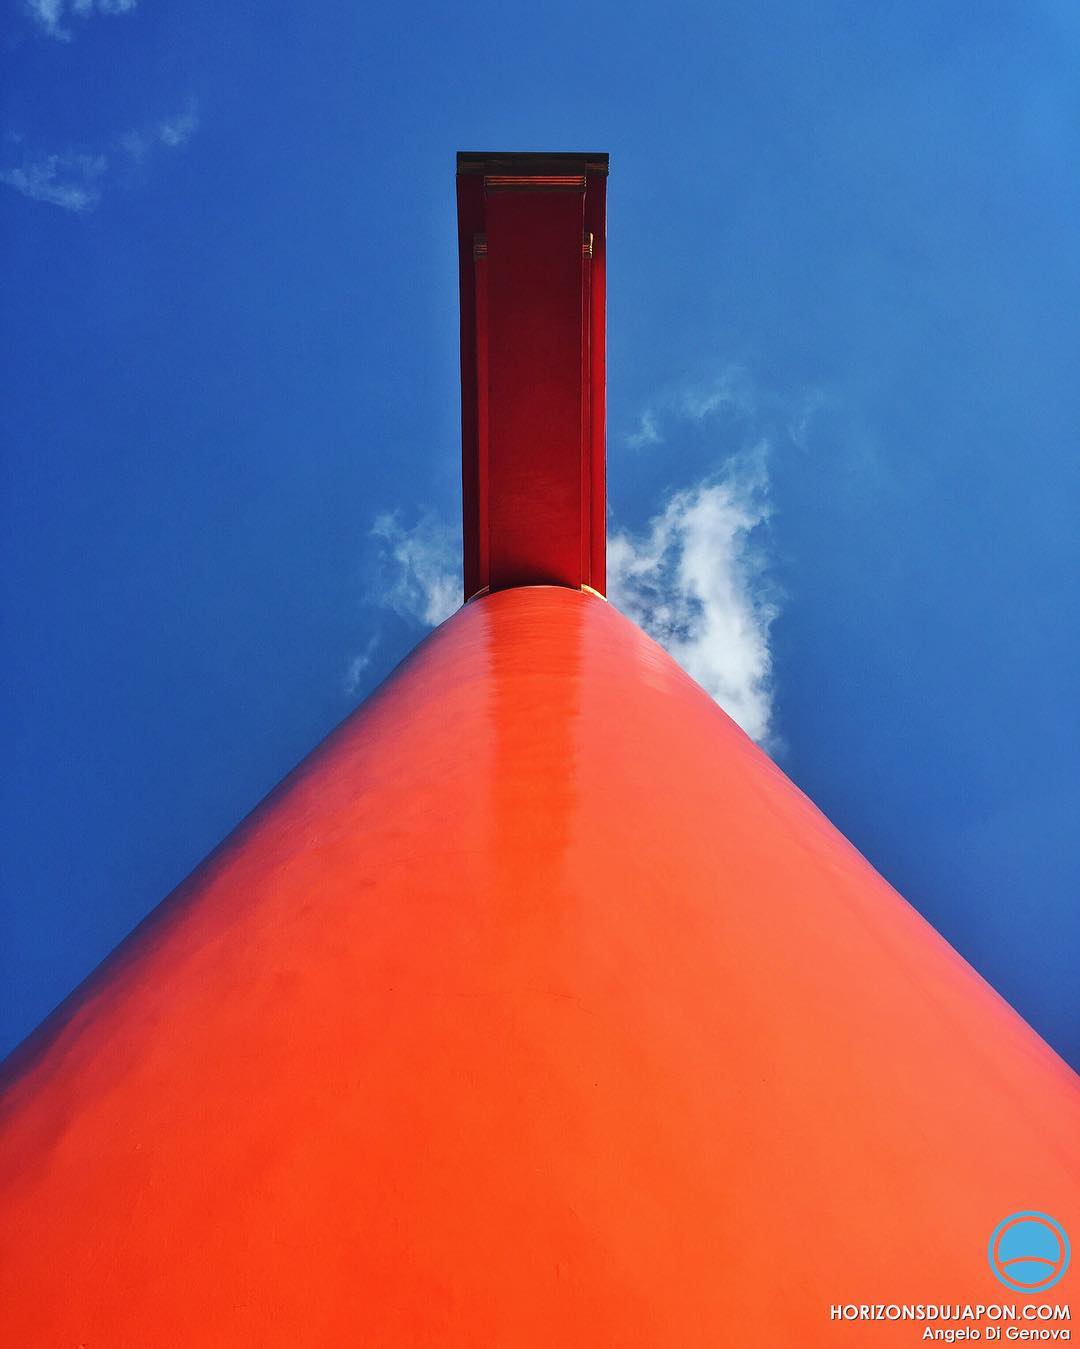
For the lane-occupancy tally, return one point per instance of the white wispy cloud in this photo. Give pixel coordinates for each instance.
(729, 390)
(417, 575)
(51, 15)
(75, 181)
(72, 182)
(178, 130)
(804, 414)
(696, 580)
(172, 132)
(696, 577)
(647, 433)
(420, 567)
(354, 673)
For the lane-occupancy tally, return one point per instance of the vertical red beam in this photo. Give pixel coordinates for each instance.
(470, 199)
(585, 430)
(596, 225)
(534, 384)
(483, 533)
(532, 363)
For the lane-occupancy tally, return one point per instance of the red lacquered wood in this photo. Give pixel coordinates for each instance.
(535, 406)
(482, 542)
(470, 205)
(535, 391)
(596, 226)
(535, 1008)
(585, 411)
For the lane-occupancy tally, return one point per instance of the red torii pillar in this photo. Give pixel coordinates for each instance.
(536, 1007)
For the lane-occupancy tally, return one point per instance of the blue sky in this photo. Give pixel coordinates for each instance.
(844, 276)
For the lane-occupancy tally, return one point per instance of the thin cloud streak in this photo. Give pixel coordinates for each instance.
(175, 131)
(354, 674)
(648, 433)
(75, 182)
(730, 391)
(171, 132)
(50, 15)
(71, 182)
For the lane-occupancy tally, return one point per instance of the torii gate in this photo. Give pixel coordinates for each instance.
(536, 1007)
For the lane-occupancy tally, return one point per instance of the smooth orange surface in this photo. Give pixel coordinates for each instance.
(536, 1008)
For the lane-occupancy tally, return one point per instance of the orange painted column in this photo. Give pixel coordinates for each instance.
(535, 1008)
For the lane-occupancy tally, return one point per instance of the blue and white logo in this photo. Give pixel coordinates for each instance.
(1029, 1252)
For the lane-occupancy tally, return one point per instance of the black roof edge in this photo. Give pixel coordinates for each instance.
(526, 162)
